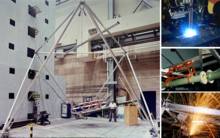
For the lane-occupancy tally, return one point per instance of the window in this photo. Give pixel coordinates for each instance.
(31, 74)
(12, 70)
(47, 77)
(45, 57)
(11, 95)
(14, 1)
(11, 46)
(47, 96)
(45, 38)
(31, 11)
(87, 98)
(46, 2)
(46, 21)
(31, 32)
(12, 22)
(30, 52)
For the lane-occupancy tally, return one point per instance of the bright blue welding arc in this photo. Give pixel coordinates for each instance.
(190, 33)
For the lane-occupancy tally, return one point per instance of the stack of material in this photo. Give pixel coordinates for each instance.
(130, 115)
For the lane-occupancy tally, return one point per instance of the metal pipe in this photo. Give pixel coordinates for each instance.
(199, 78)
(91, 38)
(139, 87)
(109, 76)
(105, 108)
(18, 93)
(56, 29)
(71, 52)
(119, 66)
(211, 76)
(40, 70)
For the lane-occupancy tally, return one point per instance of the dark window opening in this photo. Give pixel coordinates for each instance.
(87, 98)
(12, 70)
(14, 1)
(11, 46)
(30, 52)
(31, 74)
(30, 96)
(31, 32)
(47, 77)
(12, 22)
(11, 95)
(46, 2)
(46, 21)
(47, 96)
(31, 11)
(45, 57)
(45, 38)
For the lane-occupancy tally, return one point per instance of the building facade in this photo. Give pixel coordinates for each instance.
(24, 27)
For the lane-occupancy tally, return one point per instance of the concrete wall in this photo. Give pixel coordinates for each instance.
(88, 74)
(17, 58)
(79, 74)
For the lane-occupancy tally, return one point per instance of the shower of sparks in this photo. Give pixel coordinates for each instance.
(200, 124)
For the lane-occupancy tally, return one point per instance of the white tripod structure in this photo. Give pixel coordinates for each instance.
(94, 19)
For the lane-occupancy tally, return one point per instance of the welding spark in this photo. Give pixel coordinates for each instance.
(190, 33)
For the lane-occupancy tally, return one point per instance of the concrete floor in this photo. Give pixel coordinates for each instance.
(91, 127)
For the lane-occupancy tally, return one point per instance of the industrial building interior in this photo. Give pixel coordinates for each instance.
(190, 69)
(83, 55)
(190, 115)
(190, 23)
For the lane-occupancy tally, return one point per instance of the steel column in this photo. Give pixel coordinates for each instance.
(200, 59)
(111, 9)
(109, 77)
(111, 88)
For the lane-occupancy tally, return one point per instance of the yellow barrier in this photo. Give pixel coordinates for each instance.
(15, 129)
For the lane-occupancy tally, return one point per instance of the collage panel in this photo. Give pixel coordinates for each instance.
(80, 68)
(190, 69)
(190, 23)
(190, 115)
